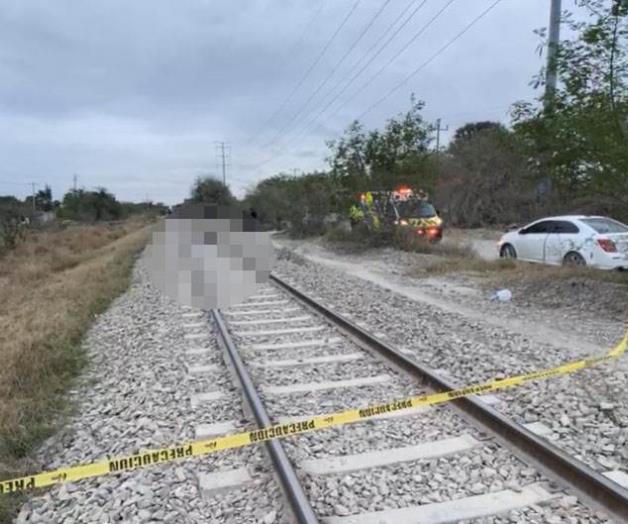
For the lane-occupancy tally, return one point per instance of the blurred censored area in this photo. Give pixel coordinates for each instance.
(208, 256)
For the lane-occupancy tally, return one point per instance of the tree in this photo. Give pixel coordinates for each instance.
(300, 203)
(43, 199)
(11, 226)
(144, 208)
(348, 158)
(210, 190)
(90, 206)
(579, 139)
(104, 204)
(383, 159)
(472, 129)
(269, 199)
(484, 180)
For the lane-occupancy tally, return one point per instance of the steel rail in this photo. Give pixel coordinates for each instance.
(587, 482)
(299, 503)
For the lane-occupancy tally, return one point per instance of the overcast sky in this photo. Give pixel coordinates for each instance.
(134, 95)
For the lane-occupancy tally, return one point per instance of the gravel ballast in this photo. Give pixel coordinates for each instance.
(587, 410)
(135, 395)
(484, 468)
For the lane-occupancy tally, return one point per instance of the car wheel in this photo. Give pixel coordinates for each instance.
(574, 259)
(507, 251)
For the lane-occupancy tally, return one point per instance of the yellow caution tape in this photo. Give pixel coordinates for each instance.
(204, 447)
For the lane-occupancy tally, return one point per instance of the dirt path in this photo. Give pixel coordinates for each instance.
(581, 334)
(482, 241)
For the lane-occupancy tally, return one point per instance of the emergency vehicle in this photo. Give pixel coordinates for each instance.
(401, 207)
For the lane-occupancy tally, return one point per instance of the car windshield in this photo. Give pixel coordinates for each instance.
(606, 225)
(416, 209)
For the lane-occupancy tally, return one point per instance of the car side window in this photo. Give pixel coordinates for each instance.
(562, 226)
(539, 227)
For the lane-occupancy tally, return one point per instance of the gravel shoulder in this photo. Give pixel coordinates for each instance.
(136, 391)
(580, 315)
(135, 395)
(473, 340)
(484, 468)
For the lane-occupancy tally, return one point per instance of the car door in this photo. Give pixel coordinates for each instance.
(531, 241)
(563, 236)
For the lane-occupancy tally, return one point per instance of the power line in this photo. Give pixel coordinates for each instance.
(223, 151)
(375, 44)
(438, 131)
(313, 65)
(372, 58)
(503, 110)
(15, 183)
(342, 24)
(402, 50)
(416, 35)
(363, 68)
(353, 45)
(305, 30)
(431, 59)
(293, 48)
(418, 69)
(33, 185)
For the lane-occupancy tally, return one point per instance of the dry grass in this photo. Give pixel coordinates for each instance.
(540, 272)
(592, 292)
(456, 256)
(354, 242)
(539, 286)
(51, 287)
(407, 240)
(468, 264)
(509, 271)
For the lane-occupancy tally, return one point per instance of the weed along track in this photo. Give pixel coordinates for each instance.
(462, 460)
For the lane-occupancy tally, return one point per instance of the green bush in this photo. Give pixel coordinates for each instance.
(210, 190)
(90, 206)
(300, 204)
(11, 228)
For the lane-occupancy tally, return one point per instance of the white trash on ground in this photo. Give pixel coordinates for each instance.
(503, 295)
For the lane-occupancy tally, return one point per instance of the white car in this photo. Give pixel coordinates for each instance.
(577, 240)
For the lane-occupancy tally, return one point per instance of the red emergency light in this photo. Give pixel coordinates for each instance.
(404, 192)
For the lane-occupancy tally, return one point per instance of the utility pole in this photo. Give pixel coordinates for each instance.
(552, 50)
(438, 130)
(33, 184)
(223, 153)
(75, 179)
(544, 187)
(224, 167)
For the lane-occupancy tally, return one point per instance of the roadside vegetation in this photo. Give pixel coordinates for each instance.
(17, 217)
(61, 264)
(53, 283)
(564, 154)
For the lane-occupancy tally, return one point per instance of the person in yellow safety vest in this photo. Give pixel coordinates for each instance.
(364, 211)
(372, 220)
(356, 214)
(372, 215)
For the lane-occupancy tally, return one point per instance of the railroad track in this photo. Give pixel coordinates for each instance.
(292, 358)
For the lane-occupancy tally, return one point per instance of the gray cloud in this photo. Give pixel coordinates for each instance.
(132, 95)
